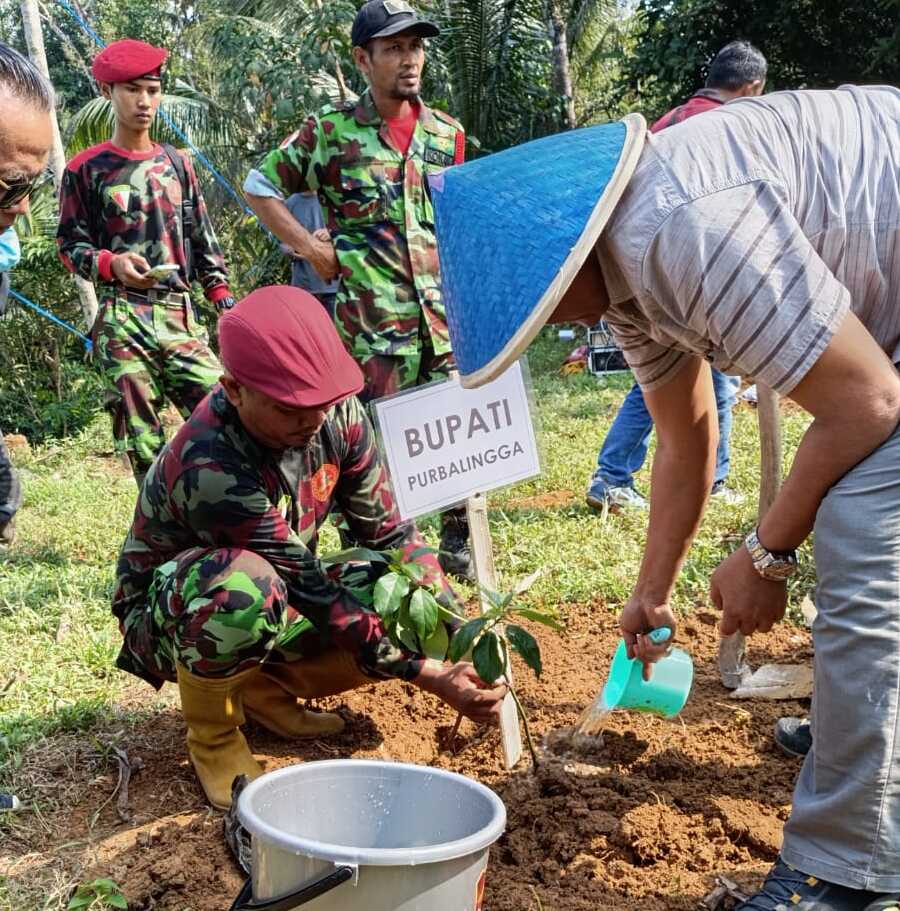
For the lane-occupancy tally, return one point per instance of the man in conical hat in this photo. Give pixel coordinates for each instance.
(762, 239)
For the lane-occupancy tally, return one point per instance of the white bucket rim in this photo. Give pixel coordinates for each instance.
(376, 857)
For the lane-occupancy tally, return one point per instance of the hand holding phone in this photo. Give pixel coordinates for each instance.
(158, 273)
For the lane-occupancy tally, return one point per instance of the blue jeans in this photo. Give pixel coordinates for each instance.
(625, 447)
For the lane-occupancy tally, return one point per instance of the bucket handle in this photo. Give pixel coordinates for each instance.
(306, 893)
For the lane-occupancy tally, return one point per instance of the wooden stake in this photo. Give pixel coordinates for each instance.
(34, 40)
(485, 574)
(733, 666)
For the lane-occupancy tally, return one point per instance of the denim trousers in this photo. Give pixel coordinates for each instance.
(625, 447)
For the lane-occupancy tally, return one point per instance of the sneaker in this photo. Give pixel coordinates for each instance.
(9, 802)
(728, 495)
(454, 553)
(793, 736)
(787, 889)
(615, 498)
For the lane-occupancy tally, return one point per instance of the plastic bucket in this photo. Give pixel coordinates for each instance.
(360, 835)
(665, 693)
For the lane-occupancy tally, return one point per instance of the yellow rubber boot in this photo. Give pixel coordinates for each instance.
(213, 711)
(277, 710)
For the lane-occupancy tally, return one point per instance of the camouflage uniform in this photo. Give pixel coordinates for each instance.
(150, 346)
(219, 571)
(378, 209)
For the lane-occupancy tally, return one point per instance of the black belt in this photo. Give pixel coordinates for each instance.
(152, 296)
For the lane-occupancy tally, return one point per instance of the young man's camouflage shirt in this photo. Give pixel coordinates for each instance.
(214, 486)
(115, 201)
(379, 213)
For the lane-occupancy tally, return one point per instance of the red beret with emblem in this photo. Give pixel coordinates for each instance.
(280, 340)
(125, 60)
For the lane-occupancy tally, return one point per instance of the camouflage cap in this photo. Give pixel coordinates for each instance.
(381, 18)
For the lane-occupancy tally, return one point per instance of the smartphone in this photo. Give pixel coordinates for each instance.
(158, 273)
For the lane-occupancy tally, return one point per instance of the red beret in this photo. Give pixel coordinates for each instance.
(281, 341)
(128, 59)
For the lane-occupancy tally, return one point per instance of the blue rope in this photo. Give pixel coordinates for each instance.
(88, 344)
(175, 129)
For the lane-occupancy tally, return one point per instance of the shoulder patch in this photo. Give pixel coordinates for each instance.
(447, 119)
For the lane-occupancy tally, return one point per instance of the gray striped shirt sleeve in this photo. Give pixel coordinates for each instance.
(735, 269)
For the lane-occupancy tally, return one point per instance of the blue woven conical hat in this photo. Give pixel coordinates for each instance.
(513, 231)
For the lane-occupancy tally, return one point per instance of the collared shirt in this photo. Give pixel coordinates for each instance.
(698, 103)
(114, 201)
(214, 486)
(745, 236)
(378, 210)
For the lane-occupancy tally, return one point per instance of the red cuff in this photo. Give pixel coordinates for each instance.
(460, 151)
(214, 295)
(104, 265)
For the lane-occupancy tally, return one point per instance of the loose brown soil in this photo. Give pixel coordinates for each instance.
(644, 821)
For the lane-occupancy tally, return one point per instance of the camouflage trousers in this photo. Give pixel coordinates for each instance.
(221, 611)
(387, 374)
(150, 352)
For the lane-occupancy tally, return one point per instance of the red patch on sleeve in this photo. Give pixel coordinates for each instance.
(323, 481)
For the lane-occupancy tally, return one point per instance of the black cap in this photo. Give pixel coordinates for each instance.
(380, 18)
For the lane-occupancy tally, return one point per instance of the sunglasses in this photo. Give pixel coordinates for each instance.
(14, 191)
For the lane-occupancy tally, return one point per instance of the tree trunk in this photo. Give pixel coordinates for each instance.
(34, 39)
(562, 71)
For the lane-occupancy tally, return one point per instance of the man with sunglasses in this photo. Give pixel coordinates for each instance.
(131, 209)
(26, 100)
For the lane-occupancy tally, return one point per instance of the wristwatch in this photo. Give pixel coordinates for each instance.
(776, 566)
(225, 304)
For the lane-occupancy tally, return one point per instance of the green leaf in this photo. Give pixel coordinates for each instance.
(423, 611)
(117, 900)
(498, 600)
(105, 885)
(415, 571)
(389, 592)
(79, 901)
(521, 641)
(364, 595)
(540, 617)
(464, 637)
(420, 552)
(404, 630)
(355, 554)
(487, 656)
(435, 646)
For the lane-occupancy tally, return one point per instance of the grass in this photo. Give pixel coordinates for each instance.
(58, 683)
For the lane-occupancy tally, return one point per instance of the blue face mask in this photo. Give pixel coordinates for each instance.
(9, 250)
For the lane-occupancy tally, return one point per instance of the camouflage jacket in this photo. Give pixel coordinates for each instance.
(215, 486)
(378, 210)
(115, 201)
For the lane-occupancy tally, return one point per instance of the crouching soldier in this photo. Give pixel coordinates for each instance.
(219, 586)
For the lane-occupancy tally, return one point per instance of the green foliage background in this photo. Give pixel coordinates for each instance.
(243, 73)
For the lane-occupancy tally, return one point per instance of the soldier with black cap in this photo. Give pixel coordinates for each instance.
(132, 218)
(368, 161)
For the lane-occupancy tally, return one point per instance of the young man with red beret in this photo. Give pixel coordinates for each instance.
(129, 206)
(219, 586)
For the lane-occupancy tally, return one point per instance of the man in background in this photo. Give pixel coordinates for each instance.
(737, 71)
(131, 209)
(368, 161)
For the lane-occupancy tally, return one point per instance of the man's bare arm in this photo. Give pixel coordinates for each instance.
(853, 393)
(684, 411)
(276, 216)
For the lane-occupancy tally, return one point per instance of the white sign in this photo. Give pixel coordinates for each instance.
(443, 443)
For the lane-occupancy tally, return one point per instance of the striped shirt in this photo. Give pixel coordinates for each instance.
(746, 235)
